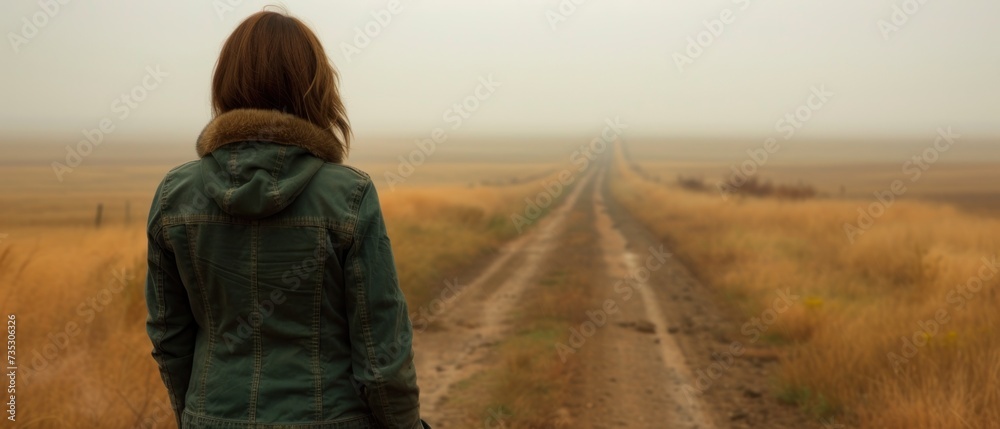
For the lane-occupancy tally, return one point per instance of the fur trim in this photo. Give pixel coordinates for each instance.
(269, 125)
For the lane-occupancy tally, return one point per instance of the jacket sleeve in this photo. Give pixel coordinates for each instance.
(381, 334)
(171, 325)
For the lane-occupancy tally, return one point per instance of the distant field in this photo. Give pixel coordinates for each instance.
(127, 174)
(967, 175)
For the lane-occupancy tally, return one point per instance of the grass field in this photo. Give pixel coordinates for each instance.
(892, 330)
(895, 330)
(77, 290)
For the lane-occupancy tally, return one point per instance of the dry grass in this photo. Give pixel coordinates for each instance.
(98, 372)
(438, 231)
(857, 300)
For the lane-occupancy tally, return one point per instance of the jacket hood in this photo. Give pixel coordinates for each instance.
(254, 163)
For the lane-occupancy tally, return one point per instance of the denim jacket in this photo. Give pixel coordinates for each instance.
(271, 288)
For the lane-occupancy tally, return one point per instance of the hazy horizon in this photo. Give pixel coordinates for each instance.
(560, 74)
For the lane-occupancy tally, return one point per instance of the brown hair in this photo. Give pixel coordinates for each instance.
(274, 61)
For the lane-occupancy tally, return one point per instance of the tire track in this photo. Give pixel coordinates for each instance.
(458, 341)
(634, 370)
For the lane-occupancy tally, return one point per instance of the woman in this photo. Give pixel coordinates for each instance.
(272, 291)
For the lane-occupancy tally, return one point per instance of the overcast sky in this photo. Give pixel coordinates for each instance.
(605, 59)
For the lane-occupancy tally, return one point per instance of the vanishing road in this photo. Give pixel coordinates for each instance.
(641, 368)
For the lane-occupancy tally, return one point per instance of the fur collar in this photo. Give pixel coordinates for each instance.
(269, 125)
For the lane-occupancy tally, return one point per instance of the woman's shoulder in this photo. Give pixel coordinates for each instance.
(179, 174)
(346, 170)
(341, 176)
(186, 169)
(337, 181)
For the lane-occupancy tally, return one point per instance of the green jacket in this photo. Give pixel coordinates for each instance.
(272, 292)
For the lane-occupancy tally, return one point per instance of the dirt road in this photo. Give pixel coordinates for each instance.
(642, 366)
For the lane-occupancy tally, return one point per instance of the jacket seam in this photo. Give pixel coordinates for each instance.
(359, 193)
(208, 316)
(165, 191)
(369, 342)
(344, 420)
(274, 175)
(161, 310)
(161, 306)
(317, 300)
(356, 170)
(255, 322)
(363, 302)
(232, 179)
(316, 221)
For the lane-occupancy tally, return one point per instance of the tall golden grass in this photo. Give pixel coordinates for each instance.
(861, 346)
(77, 293)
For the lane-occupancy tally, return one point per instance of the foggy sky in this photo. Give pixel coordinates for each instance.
(604, 59)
